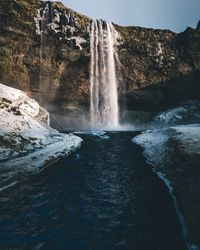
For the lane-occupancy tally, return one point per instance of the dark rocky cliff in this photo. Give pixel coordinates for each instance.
(52, 64)
(159, 67)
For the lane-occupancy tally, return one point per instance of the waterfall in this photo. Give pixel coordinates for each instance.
(43, 18)
(104, 110)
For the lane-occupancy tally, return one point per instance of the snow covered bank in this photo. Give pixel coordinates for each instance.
(186, 113)
(174, 152)
(156, 143)
(188, 138)
(27, 143)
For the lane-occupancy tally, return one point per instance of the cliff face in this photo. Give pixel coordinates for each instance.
(45, 49)
(161, 67)
(151, 56)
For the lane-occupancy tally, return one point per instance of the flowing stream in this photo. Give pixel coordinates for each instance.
(103, 197)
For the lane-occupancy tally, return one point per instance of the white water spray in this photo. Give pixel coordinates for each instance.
(104, 108)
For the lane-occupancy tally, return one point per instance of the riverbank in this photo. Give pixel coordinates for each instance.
(174, 152)
(27, 142)
(101, 198)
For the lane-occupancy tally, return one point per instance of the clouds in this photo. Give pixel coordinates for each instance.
(166, 14)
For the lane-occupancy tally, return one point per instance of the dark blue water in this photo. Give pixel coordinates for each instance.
(103, 197)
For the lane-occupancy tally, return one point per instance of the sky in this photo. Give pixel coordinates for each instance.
(176, 15)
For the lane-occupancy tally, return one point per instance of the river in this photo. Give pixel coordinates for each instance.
(102, 197)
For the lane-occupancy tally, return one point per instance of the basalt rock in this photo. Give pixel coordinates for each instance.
(45, 50)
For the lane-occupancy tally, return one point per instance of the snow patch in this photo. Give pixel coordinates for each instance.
(186, 113)
(160, 51)
(92, 133)
(38, 20)
(154, 144)
(27, 143)
(188, 137)
(65, 25)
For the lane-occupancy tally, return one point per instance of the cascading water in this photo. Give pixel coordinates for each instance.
(104, 108)
(43, 18)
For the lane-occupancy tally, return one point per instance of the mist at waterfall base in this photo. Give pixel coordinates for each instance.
(80, 120)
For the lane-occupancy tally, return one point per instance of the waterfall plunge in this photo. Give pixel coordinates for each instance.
(104, 108)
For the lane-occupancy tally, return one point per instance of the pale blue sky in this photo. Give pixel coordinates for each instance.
(167, 14)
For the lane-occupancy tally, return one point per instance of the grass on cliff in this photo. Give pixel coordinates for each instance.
(19, 14)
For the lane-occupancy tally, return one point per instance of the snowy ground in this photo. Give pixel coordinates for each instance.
(186, 113)
(188, 138)
(155, 142)
(27, 143)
